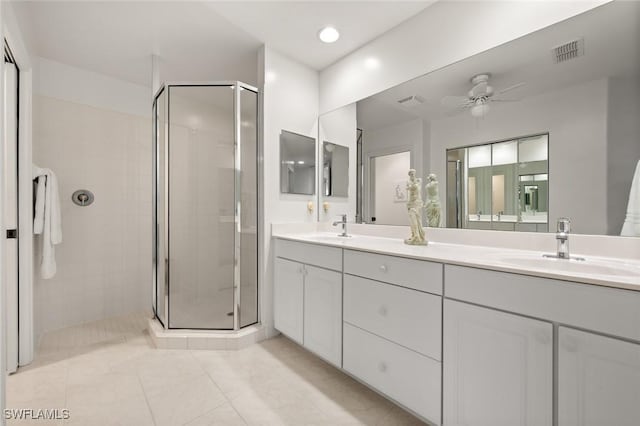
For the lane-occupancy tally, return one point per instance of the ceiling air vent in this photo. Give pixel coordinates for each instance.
(568, 51)
(411, 101)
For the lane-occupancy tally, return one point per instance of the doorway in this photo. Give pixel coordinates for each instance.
(10, 203)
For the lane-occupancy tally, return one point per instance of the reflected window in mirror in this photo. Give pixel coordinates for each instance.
(297, 163)
(500, 185)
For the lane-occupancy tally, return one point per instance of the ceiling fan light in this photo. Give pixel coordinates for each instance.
(479, 110)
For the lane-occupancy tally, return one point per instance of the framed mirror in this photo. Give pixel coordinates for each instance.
(574, 85)
(297, 163)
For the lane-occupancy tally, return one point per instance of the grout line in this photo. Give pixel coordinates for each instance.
(229, 401)
(146, 400)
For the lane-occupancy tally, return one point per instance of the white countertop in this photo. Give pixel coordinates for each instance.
(618, 273)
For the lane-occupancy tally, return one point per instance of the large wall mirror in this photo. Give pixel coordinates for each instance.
(297, 163)
(480, 126)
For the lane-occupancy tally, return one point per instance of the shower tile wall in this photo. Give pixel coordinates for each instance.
(104, 261)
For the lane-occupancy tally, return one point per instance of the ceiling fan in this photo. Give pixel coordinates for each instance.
(480, 96)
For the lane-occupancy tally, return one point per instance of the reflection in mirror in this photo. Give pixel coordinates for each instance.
(337, 175)
(387, 188)
(335, 170)
(504, 185)
(297, 163)
(585, 104)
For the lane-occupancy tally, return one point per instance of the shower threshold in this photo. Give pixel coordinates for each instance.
(204, 339)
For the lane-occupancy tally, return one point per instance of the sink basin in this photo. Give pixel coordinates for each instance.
(329, 238)
(590, 266)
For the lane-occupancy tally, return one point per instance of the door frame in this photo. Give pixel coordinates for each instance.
(368, 196)
(26, 336)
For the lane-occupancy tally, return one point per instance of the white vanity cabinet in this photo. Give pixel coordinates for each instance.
(462, 345)
(307, 297)
(598, 380)
(498, 368)
(496, 363)
(393, 328)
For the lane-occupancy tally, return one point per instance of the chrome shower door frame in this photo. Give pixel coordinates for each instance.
(237, 87)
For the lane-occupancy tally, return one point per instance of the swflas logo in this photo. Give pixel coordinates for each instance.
(37, 414)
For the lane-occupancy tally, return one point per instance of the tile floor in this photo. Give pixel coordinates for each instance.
(109, 373)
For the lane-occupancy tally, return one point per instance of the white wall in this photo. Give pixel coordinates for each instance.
(405, 136)
(339, 127)
(576, 121)
(91, 131)
(57, 80)
(444, 33)
(399, 137)
(289, 102)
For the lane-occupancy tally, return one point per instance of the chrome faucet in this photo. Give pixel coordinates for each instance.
(479, 214)
(562, 236)
(500, 213)
(342, 222)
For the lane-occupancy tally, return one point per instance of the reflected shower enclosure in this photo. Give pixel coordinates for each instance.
(205, 205)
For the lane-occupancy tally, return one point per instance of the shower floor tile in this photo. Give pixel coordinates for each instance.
(109, 373)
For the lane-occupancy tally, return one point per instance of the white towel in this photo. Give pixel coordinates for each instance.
(631, 227)
(47, 221)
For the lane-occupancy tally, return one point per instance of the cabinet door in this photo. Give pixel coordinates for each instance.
(497, 367)
(288, 298)
(598, 380)
(323, 313)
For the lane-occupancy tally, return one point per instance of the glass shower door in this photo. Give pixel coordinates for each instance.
(248, 173)
(201, 199)
(161, 256)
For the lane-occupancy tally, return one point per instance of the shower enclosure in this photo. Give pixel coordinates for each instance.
(205, 205)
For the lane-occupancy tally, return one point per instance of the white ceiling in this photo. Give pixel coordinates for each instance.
(199, 40)
(118, 38)
(291, 27)
(610, 50)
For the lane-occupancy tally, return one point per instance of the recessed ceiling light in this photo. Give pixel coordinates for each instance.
(328, 35)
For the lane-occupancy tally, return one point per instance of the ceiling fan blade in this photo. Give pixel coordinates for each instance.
(454, 101)
(504, 100)
(507, 89)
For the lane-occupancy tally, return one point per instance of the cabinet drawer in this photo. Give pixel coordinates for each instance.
(409, 378)
(407, 317)
(412, 273)
(607, 310)
(311, 254)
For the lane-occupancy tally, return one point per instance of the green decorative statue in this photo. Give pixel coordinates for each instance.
(433, 208)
